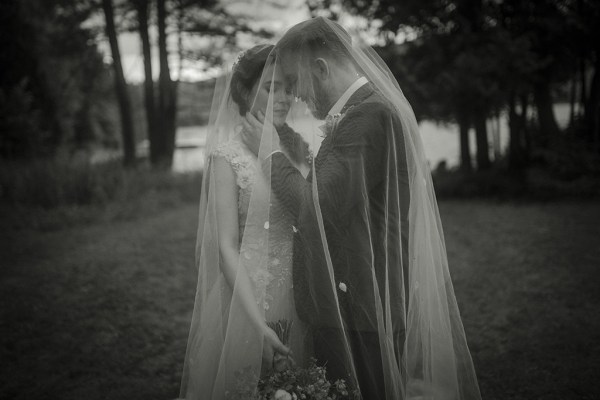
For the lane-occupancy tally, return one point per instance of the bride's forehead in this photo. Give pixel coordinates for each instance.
(273, 71)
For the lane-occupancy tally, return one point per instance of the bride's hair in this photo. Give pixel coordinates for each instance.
(246, 72)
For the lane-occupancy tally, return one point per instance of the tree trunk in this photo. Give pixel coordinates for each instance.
(481, 139)
(496, 137)
(167, 92)
(180, 39)
(524, 127)
(592, 108)
(515, 156)
(83, 127)
(151, 114)
(465, 151)
(547, 121)
(572, 100)
(121, 87)
(582, 84)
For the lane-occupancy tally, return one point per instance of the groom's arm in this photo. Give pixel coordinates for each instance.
(290, 187)
(345, 174)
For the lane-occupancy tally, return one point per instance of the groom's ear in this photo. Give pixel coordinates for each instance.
(320, 68)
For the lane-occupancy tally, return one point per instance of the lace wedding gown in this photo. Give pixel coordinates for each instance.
(267, 258)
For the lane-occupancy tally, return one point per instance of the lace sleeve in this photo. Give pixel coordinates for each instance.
(240, 161)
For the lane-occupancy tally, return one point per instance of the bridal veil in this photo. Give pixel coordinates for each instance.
(369, 271)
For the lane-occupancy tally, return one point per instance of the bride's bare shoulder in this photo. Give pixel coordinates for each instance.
(229, 150)
(239, 159)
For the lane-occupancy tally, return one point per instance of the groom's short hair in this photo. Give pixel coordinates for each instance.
(317, 37)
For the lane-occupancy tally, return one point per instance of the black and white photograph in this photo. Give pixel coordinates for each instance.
(299, 199)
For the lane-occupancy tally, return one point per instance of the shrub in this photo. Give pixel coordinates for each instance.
(67, 191)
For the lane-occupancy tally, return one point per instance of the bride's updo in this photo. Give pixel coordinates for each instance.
(246, 72)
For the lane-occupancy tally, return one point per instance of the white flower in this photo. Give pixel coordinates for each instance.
(331, 122)
(282, 395)
(343, 287)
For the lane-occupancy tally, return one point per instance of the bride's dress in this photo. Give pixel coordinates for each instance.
(266, 257)
(223, 342)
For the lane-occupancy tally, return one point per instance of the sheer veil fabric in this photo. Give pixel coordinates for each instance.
(349, 246)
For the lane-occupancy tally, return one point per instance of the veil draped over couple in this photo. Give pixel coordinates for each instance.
(319, 237)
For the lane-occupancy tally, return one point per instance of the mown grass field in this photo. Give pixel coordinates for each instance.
(101, 310)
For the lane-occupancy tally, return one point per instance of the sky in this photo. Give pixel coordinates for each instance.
(275, 15)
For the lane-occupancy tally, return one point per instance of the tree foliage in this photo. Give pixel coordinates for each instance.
(206, 19)
(472, 59)
(53, 83)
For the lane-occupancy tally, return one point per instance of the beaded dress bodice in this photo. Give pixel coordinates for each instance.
(265, 229)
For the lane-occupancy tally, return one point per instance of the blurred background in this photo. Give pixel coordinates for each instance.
(103, 113)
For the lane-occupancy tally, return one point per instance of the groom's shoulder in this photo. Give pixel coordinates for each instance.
(372, 106)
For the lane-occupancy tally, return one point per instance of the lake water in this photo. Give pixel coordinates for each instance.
(440, 142)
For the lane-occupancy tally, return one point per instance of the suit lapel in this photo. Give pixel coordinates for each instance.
(358, 97)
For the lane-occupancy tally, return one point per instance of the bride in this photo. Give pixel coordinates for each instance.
(244, 240)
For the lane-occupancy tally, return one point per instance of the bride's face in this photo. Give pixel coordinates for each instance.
(272, 84)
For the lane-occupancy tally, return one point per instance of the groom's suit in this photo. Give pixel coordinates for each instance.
(360, 169)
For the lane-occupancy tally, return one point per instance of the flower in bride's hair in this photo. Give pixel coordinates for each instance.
(238, 58)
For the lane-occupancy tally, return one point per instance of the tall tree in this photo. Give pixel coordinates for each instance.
(120, 87)
(205, 18)
(50, 78)
(455, 61)
(588, 16)
(167, 95)
(142, 10)
(515, 49)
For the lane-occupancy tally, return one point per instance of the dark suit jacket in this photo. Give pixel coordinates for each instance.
(363, 196)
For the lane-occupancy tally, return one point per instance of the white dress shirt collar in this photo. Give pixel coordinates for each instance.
(339, 105)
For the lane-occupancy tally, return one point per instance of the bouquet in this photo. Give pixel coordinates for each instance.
(287, 381)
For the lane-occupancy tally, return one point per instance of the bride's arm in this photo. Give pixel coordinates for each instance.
(228, 236)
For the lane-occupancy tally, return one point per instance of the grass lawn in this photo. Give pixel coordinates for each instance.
(102, 311)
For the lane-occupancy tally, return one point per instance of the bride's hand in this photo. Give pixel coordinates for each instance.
(254, 132)
(275, 353)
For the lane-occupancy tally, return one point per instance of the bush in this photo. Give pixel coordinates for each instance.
(65, 191)
(534, 183)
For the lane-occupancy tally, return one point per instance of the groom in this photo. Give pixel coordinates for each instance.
(354, 229)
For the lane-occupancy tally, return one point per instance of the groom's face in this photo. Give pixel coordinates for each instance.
(305, 84)
(321, 99)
